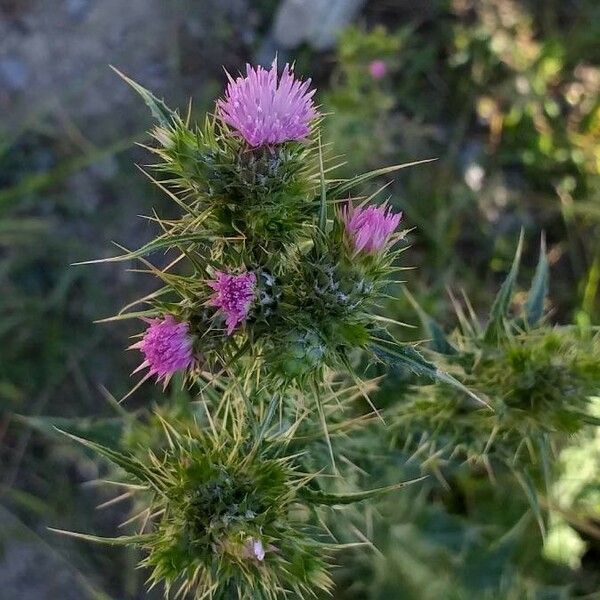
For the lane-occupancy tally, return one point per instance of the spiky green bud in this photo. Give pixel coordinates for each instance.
(223, 517)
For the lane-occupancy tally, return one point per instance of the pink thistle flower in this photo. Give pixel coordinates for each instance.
(369, 228)
(377, 69)
(167, 348)
(233, 296)
(267, 111)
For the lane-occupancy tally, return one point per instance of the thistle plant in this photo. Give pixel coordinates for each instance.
(271, 289)
(538, 379)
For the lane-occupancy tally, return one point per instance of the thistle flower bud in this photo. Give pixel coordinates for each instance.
(369, 228)
(264, 192)
(227, 509)
(233, 297)
(539, 385)
(341, 289)
(268, 295)
(266, 110)
(298, 354)
(224, 522)
(167, 348)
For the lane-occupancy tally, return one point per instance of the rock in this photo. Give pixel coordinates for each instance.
(316, 22)
(13, 73)
(78, 9)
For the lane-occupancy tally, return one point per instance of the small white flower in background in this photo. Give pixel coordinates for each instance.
(474, 175)
(522, 85)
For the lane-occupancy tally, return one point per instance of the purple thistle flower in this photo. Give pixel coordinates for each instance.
(369, 228)
(377, 69)
(233, 296)
(267, 111)
(167, 348)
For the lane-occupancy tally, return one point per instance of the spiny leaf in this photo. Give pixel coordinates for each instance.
(526, 482)
(534, 307)
(165, 241)
(274, 403)
(407, 356)
(104, 431)
(323, 204)
(141, 314)
(123, 540)
(495, 326)
(543, 445)
(325, 429)
(325, 498)
(439, 342)
(128, 463)
(346, 186)
(160, 111)
(586, 418)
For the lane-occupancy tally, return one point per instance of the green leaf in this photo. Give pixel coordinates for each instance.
(127, 462)
(323, 204)
(495, 326)
(102, 431)
(325, 498)
(586, 418)
(160, 111)
(123, 540)
(346, 186)
(407, 356)
(164, 241)
(439, 342)
(545, 455)
(262, 429)
(534, 307)
(140, 314)
(526, 482)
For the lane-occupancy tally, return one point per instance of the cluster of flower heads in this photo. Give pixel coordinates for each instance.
(260, 115)
(276, 273)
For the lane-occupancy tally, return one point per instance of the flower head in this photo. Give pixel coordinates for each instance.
(377, 69)
(370, 228)
(233, 296)
(167, 347)
(223, 524)
(265, 110)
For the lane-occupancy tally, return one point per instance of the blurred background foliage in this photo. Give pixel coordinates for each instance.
(505, 94)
